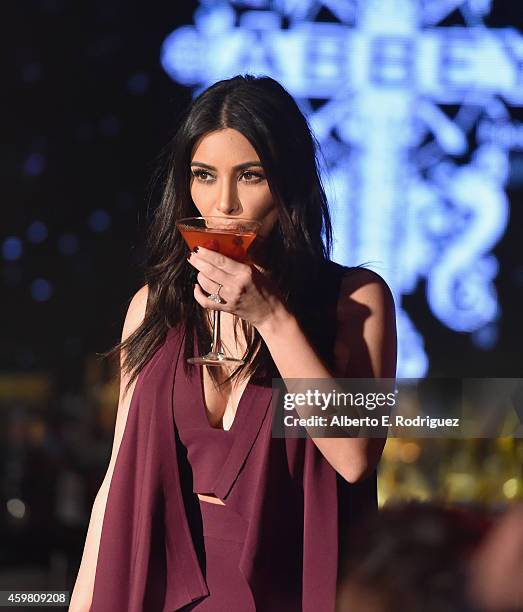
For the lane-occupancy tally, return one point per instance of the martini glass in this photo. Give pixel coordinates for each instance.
(230, 237)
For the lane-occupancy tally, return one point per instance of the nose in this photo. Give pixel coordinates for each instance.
(228, 201)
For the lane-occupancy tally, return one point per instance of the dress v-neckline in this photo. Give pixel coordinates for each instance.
(204, 404)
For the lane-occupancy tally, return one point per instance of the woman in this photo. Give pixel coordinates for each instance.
(201, 507)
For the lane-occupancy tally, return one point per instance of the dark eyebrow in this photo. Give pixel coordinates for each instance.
(239, 167)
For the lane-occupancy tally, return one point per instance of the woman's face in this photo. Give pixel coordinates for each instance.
(227, 179)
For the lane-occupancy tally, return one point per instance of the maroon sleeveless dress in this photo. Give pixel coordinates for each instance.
(276, 543)
(223, 529)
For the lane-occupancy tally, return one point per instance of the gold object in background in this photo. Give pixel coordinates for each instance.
(25, 387)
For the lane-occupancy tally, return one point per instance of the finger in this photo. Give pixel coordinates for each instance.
(209, 285)
(204, 301)
(212, 272)
(221, 261)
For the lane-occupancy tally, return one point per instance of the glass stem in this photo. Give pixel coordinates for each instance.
(216, 341)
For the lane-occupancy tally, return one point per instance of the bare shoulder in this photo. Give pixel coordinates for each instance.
(136, 311)
(364, 287)
(133, 319)
(366, 322)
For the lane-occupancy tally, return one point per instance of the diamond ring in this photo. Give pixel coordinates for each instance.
(215, 297)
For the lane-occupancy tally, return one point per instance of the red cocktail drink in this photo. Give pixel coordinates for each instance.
(232, 237)
(233, 244)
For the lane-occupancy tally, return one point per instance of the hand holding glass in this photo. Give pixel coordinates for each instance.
(230, 237)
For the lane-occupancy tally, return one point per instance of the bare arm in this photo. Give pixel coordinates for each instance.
(367, 328)
(83, 588)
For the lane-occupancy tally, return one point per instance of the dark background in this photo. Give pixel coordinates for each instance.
(87, 96)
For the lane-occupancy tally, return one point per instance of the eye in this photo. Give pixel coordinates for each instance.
(202, 175)
(252, 177)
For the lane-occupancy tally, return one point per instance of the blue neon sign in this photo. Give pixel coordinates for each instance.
(409, 190)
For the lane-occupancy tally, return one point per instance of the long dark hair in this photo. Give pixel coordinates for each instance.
(296, 249)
